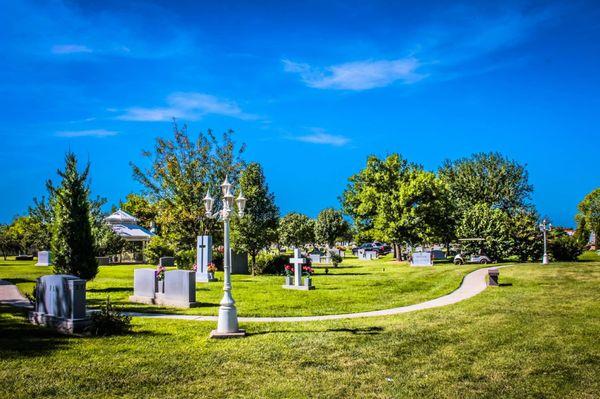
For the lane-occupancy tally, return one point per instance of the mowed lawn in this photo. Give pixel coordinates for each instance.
(534, 337)
(354, 286)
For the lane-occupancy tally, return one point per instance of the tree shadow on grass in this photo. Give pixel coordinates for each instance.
(19, 280)
(353, 331)
(110, 289)
(20, 339)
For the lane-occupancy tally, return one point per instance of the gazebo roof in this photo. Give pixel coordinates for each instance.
(125, 225)
(121, 217)
(132, 232)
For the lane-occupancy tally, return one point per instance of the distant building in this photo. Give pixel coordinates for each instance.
(126, 226)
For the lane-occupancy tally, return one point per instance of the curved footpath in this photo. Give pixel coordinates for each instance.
(472, 284)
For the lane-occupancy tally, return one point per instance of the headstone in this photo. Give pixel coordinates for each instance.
(366, 255)
(239, 263)
(43, 258)
(144, 286)
(315, 258)
(103, 260)
(60, 303)
(298, 261)
(203, 257)
(180, 289)
(493, 274)
(166, 261)
(421, 259)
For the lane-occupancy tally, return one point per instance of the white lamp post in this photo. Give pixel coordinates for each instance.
(544, 228)
(227, 325)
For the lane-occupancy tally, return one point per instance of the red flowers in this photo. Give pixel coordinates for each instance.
(307, 270)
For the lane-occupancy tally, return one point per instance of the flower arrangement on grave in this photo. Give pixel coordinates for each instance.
(211, 268)
(195, 267)
(307, 271)
(160, 272)
(288, 270)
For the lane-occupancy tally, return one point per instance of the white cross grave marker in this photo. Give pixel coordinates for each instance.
(297, 260)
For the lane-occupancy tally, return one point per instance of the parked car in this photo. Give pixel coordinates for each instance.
(461, 259)
(383, 248)
(367, 247)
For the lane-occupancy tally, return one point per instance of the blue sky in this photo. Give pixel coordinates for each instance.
(312, 89)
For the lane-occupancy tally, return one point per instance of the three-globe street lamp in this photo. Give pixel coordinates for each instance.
(545, 227)
(227, 324)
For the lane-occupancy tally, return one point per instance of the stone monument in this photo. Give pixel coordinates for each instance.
(60, 303)
(239, 263)
(366, 255)
(178, 289)
(421, 259)
(43, 258)
(493, 274)
(166, 261)
(203, 258)
(297, 261)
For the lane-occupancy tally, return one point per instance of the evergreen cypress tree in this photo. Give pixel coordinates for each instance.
(72, 240)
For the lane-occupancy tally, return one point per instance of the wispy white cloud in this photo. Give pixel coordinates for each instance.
(86, 133)
(320, 136)
(456, 46)
(190, 106)
(359, 75)
(70, 49)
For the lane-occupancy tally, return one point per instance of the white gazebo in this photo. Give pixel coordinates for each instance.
(126, 226)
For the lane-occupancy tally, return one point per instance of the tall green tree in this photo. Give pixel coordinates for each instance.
(396, 201)
(330, 227)
(8, 242)
(142, 208)
(181, 171)
(296, 229)
(360, 200)
(72, 241)
(257, 229)
(588, 218)
(41, 216)
(487, 178)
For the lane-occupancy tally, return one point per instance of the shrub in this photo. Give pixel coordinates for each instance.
(217, 259)
(185, 259)
(109, 321)
(271, 263)
(156, 249)
(335, 258)
(565, 248)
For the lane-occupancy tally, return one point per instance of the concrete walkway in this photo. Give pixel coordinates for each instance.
(10, 295)
(473, 283)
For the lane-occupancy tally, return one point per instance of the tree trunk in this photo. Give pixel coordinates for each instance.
(398, 252)
(253, 266)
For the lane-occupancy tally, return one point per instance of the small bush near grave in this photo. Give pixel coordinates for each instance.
(185, 259)
(270, 263)
(156, 249)
(335, 259)
(109, 321)
(565, 248)
(217, 258)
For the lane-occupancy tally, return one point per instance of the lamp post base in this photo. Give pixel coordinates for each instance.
(545, 260)
(224, 335)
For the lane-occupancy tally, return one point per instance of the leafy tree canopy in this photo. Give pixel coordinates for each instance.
(296, 229)
(181, 171)
(257, 229)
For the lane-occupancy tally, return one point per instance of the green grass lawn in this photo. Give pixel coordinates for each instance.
(534, 337)
(355, 286)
